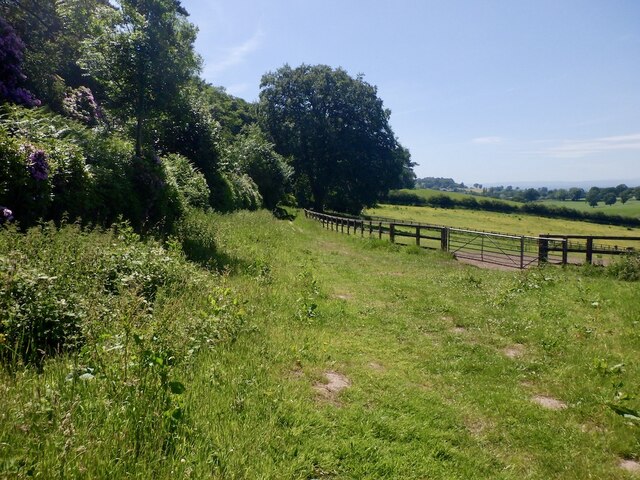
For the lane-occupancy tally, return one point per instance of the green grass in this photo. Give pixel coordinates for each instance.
(428, 193)
(629, 209)
(517, 224)
(421, 339)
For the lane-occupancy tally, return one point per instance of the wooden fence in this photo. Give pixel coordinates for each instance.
(513, 251)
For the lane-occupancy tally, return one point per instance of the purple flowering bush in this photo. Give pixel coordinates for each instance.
(37, 165)
(11, 76)
(81, 105)
(53, 168)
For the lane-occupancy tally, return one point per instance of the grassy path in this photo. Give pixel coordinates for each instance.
(444, 363)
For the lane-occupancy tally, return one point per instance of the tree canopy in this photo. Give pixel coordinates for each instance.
(142, 54)
(337, 133)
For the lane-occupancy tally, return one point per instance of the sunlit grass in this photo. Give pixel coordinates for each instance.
(422, 340)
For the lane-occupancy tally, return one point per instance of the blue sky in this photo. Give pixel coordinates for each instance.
(482, 91)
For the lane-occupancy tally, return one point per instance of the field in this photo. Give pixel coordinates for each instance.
(356, 359)
(516, 224)
(428, 193)
(629, 209)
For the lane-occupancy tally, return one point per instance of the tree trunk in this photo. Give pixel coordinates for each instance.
(139, 121)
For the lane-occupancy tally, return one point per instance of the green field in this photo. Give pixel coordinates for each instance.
(629, 209)
(445, 366)
(428, 193)
(516, 224)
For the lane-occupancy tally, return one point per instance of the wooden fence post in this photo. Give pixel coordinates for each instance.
(543, 249)
(370, 228)
(521, 253)
(392, 233)
(444, 238)
(362, 228)
(565, 251)
(380, 230)
(589, 249)
(418, 236)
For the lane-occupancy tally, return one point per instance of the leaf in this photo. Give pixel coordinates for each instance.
(177, 388)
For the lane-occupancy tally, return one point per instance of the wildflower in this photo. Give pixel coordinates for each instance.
(37, 165)
(6, 215)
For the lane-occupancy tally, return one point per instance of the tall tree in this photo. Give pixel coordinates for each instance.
(593, 196)
(336, 130)
(142, 54)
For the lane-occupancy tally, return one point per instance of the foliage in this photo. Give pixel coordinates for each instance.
(233, 113)
(11, 76)
(336, 130)
(114, 326)
(80, 104)
(244, 191)
(609, 199)
(439, 183)
(188, 181)
(626, 267)
(251, 154)
(52, 167)
(53, 33)
(142, 55)
(47, 305)
(189, 128)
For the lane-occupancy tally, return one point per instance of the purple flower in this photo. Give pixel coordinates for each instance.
(37, 165)
(11, 76)
(6, 215)
(81, 105)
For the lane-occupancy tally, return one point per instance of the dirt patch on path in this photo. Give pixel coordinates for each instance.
(632, 466)
(343, 296)
(336, 382)
(376, 366)
(514, 351)
(549, 402)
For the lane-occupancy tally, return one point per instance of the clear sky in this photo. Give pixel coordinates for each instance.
(480, 90)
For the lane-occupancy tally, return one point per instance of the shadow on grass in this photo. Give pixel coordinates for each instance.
(283, 214)
(209, 257)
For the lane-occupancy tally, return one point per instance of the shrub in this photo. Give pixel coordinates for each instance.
(245, 192)
(52, 167)
(626, 267)
(189, 182)
(196, 233)
(61, 287)
(254, 156)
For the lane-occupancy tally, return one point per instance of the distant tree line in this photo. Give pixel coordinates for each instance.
(440, 183)
(593, 196)
(540, 209)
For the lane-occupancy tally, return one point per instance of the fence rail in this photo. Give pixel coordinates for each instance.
(512, 251)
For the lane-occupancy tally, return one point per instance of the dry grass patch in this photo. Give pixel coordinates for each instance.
(632, 466)
(376, 366)
(514, 351)
(549, 402)
(336, 382)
